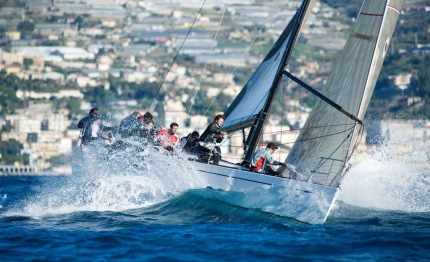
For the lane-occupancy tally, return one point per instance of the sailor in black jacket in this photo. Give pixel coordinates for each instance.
(89, 119)
(213, 135)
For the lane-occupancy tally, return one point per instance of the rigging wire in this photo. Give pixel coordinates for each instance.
(225, 83)
(314, 127)
(233, 135)
(357, 141)
(207, 59)
(234, 69)
(311, 138)
(300, 105)
(328, 135)
(206, 63)
(177, 54)
(283, 114)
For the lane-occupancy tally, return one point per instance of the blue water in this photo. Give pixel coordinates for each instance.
(383, 214)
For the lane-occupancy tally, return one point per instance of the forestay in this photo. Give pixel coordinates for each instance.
(324, 146)
(248, 104)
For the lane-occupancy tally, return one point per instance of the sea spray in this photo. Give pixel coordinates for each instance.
(389, 180)
(2, 200)
(113, 181)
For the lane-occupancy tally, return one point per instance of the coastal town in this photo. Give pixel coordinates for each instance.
(118, 55)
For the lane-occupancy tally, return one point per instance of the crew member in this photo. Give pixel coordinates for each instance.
(89, 119)
(129, 125)
(262, 158)
(211, 136)
(190, 143)
(94, 130)
(168, 138)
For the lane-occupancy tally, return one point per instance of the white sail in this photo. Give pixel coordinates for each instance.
(324, 146)
(252, 98)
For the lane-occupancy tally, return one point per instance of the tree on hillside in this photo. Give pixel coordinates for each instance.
(27, 62)
(59, 160)
(10, 152)
(99, 96)
(423, 69)
(26, 28)
(8, 86)
(74, 105)
(78, 22)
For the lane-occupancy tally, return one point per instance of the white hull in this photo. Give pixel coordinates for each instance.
(303, 201)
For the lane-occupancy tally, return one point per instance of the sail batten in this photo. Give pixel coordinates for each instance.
(318, 156)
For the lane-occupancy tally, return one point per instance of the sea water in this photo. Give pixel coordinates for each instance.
(118, 209)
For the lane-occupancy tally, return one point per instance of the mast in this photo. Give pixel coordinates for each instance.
(257, 128)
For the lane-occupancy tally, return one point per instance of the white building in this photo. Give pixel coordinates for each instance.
(25, 124)
(12, 57)
(174, 111)
(61, 94)
(63, 52)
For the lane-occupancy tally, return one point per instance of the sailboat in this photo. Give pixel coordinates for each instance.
(318, 160)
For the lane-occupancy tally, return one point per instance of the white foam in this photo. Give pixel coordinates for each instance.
(390, 181)
(121, 183)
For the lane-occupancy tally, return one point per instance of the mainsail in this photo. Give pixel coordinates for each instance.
(249, 103)
(324, 146)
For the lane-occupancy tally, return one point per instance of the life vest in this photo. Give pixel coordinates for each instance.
(166, 139)
(258, 165)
